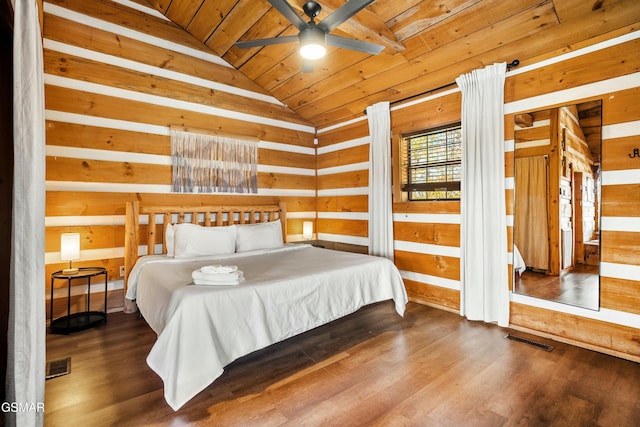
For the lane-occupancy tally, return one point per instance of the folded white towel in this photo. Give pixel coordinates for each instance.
(233, 278)
(215, 283)
(219, 269)
(234, 275)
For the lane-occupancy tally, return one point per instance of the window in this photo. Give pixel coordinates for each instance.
(431, 166)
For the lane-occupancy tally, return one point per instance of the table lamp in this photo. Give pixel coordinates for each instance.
(70, 250)
(307, 230)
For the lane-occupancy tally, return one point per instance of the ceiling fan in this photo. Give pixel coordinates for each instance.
(313, 37)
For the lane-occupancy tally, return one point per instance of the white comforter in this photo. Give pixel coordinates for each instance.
(286, 291)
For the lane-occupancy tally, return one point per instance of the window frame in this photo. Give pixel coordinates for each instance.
(406, 187)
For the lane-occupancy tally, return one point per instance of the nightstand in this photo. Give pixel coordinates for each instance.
(314, 243)
(84, 319)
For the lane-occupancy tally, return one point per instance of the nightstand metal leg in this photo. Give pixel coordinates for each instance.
(106, 280)
(69, 306)
(88, 295)
(51, 304)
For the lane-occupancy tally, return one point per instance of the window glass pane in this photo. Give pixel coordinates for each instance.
(437, 194)
(433, 158)
(437, 174)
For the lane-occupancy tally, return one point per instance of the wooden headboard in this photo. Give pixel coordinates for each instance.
(208, 216)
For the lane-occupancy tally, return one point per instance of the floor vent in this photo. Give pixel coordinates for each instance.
(57, 368)
(540, 345)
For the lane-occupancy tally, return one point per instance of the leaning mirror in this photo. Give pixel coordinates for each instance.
(557, 204)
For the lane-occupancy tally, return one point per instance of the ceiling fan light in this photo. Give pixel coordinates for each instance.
(312, 45)
(312, 51)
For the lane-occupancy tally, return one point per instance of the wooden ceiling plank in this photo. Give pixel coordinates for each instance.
(570, 9)
(160, 5)
(296, 81)
(380, 62)
(288, 68)
(208, 17)
(526, 23)
(425, 15)
(239, 20)
(271, 24)
(333, 62)
(182, 12)
(368, 27)
(559, 37)
(556, 36)
(521, 26)
(271, 57)
(340, 82)
(295, 97)
(468, 21)
(387, 10)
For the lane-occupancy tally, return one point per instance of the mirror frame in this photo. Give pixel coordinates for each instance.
(589, 117)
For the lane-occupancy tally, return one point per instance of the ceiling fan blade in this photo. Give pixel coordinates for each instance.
(307, 66)
(352, 44)
(343, 13)
(289, 12)
(266, 42)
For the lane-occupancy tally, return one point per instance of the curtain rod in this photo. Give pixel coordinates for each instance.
(510, 65)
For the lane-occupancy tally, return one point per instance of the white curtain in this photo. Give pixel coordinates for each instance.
(484, 293)
(380, 194)
(27, 328)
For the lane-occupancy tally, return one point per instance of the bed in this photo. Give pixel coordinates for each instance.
(286, 289)
(518, 262)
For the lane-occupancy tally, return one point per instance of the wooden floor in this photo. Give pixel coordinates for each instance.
(373, 368)
(579, 287)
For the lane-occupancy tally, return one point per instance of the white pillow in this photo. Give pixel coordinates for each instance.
(193, 240)
(265, 235)
(169, 239)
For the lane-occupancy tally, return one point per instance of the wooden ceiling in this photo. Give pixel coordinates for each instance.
(427, 44)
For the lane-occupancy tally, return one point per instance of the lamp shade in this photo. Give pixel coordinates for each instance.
(69, 246)
(312, 43)
(307, 230)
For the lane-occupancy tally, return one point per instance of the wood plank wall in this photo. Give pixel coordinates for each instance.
(427, 234)
(118, 75)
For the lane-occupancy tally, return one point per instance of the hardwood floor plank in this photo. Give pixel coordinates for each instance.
(372, 368)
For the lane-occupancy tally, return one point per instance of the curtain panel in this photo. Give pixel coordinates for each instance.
(531, 222)
(211, 163)
(27, 322)
(380, 191)
(484, 292)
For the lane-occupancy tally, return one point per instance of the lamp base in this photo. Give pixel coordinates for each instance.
(70, 271)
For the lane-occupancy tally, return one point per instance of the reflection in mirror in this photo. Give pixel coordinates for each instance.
(557, 204)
